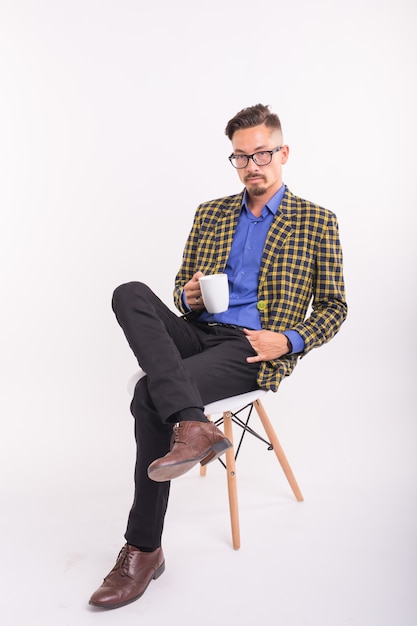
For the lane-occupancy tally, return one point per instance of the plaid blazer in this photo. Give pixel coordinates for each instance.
(301, 265)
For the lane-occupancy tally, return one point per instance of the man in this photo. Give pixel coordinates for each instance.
(280, 253)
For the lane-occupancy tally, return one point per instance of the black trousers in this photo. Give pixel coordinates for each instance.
(188, 365)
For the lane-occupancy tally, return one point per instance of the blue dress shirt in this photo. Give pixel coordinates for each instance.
(243, 267)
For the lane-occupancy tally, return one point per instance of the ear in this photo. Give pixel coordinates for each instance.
(284, 152)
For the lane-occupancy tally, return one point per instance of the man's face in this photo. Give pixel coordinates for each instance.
(260, 180)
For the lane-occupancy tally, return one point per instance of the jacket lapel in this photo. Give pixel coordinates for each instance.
(225, 229)
(279, 232)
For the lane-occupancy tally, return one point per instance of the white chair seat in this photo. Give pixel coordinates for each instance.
(131, 383)
(234, 403)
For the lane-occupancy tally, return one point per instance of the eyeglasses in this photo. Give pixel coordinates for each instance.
(239, 161)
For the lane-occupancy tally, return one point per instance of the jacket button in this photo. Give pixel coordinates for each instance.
(261, 305)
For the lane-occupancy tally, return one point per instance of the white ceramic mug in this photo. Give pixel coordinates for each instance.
(215, 292)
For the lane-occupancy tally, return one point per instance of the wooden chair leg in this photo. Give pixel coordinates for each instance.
(278, 449)
(231, 481)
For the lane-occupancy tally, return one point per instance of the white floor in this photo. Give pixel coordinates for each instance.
(346, 555)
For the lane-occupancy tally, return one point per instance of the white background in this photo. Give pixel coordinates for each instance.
(112, 117)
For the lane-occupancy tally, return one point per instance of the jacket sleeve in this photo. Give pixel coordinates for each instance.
(329, 308)
(188, 264)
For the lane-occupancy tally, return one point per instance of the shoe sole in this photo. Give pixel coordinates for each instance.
(156, 575)
(169, 472)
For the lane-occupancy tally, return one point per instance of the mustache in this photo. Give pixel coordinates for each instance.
(250, 176)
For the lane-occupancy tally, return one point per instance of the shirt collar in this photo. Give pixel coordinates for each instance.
(273, 203)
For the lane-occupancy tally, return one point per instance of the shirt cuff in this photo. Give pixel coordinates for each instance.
(184, 300)
(297, 341)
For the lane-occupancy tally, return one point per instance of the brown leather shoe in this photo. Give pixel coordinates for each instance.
(129, 578)
(194, 442)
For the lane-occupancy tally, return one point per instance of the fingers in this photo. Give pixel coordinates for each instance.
(195, 300)
(194, 297)
(198, 302)
(193, 292)
(196, 292)
(267, 344)
(254, 359)
(251, 336)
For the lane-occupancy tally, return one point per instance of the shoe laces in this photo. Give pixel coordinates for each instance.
(125, 557)
(177, 434)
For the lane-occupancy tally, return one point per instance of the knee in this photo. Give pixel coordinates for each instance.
(141, 401)
(147, 420)
(124, 293)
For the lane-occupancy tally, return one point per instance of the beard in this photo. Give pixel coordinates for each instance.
(255, 190)
(258, 191)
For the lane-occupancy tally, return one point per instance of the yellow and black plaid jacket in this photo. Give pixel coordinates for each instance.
(301, 264)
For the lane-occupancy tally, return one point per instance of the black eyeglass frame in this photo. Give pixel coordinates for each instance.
(252, 156)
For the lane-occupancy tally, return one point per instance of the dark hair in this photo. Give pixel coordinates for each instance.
(252, 116)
